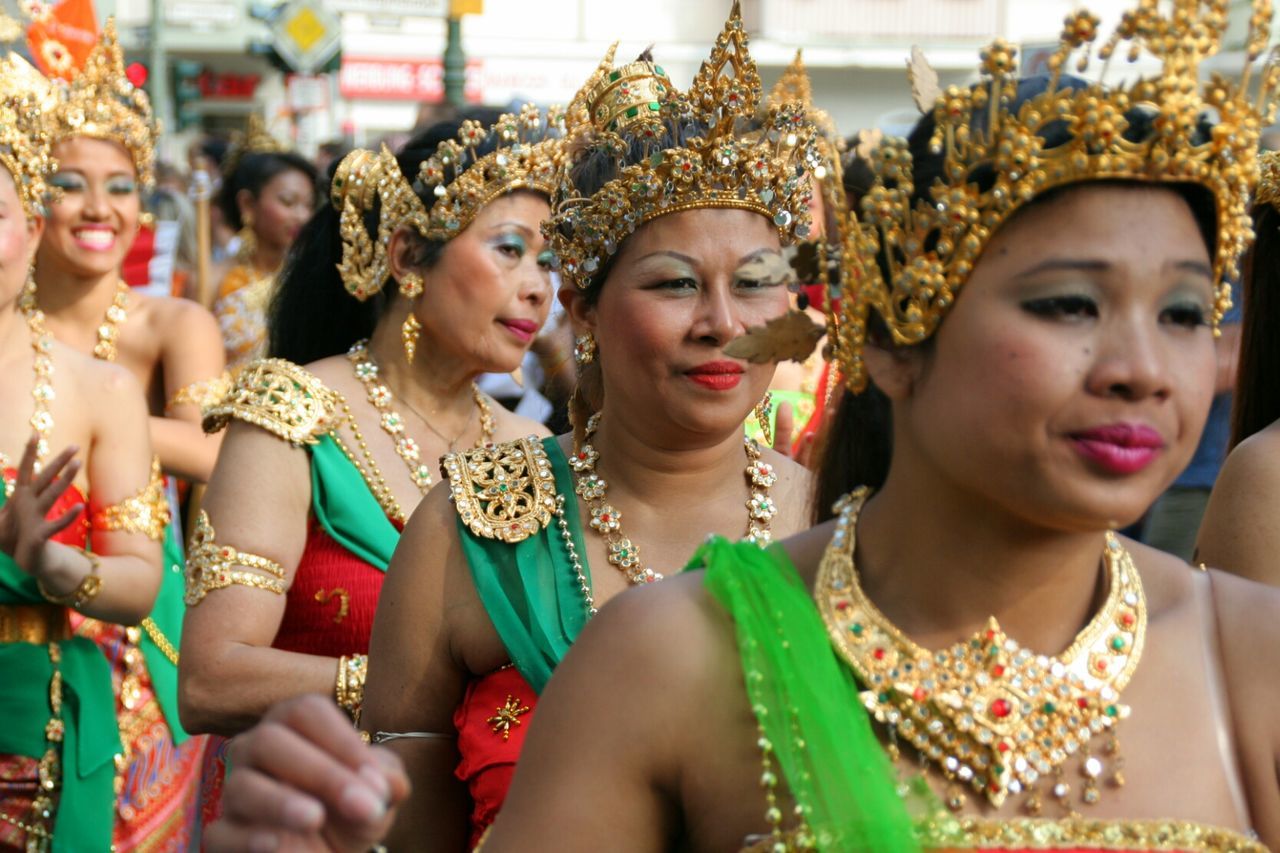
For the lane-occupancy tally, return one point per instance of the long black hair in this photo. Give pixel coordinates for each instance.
(312, 316)
(255, 171)
(1256, 402)
(860, 442)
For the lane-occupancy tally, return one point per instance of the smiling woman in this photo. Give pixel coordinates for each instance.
(424, 270)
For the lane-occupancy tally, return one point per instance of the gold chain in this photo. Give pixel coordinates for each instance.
(607, 521)
(109, 329)
(393, 423)
(160, 640)
(369, 470)
(42, 390)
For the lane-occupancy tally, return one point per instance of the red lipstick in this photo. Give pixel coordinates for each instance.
(521, 330)
(716, 375)
(1119, 448)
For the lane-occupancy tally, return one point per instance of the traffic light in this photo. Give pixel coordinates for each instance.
(186, 92)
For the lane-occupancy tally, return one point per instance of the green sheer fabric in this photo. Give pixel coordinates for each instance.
(86, 808)
(807, 702)
(530, 589)
(167, 615)
(345, 507)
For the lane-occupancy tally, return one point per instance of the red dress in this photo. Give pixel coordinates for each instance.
(328, 611)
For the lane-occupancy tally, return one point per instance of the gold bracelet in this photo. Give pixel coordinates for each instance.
(203, 393)
(87, 590)
(209, 566)
(348, 689)
(147, 512)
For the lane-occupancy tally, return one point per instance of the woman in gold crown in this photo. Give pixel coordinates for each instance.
(268, 193)
(495, 579)
(1047, 367)
(60, 735)
(426, 271)
(1237, 533)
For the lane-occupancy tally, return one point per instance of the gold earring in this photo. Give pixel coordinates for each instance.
(248, 243)
(409, 332)
(411, 285)
(764, 415)
(584, 349)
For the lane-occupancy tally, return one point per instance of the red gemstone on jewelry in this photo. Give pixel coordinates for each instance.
(991, 635)
(1100, 665)
(1003, 746)
(919, 694)
(1127, 620)
(1082, 702)
(842, 605)
(878, 654)
(1000, 709)
(997, 671)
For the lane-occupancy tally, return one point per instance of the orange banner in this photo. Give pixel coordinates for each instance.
(62, 38)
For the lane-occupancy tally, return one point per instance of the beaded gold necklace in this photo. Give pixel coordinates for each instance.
(42, 389)
(993, 716)
(109, 328)
(393, 423)
(607, 521)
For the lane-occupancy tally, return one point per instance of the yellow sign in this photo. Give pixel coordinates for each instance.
(305, 29)
(458, 8)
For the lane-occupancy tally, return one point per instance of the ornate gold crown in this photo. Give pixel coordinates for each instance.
(254, 140)
(527, 157)
(101, 103)
(24, 138)
(996, 159)
(728, 164)
(1269, 182)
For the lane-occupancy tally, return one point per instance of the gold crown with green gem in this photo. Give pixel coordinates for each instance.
(733, 162)
(908, 259)
(101, 103)
(527, 156)
(24, 137)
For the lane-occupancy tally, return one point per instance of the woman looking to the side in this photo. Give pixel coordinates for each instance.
(425, 270)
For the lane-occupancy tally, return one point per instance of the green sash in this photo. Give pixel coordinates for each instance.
(167, 615)
(530, 589)
(345, 507)
(806, 701)
(86, 810)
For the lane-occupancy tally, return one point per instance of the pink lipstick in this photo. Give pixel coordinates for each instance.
(521, 330)
(716, 375)
(1119, 448)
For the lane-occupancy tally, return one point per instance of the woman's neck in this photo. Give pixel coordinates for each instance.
(14, 334)
(664, 473)
(79, 300)
(938, 561)
(267, 260)
(437, 384)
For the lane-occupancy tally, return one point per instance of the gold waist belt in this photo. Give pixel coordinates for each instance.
(33, 623)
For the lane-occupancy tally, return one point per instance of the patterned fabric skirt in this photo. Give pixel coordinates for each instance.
(157, 782)
(19, 782)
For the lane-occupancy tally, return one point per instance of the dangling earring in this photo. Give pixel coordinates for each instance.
(411, 287)
(27, 299)
(764, 415)
(584, 349)
(248, 243)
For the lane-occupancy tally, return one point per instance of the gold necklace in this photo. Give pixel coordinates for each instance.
(992, 715)
(607, 521)
(42, 390)
(109, 330)
(393, 424)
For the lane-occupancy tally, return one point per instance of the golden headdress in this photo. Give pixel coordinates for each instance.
(1269, 181)
(101, 103)
(728, 164)
(996, 158)
(462, 181)
(24, 138)
(254, 140)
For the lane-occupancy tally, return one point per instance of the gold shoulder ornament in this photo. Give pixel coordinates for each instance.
(502, 491)
(280, 397)
(212, 566)
(147, 512)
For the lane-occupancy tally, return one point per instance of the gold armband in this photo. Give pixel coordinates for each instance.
(203, 393)
(210, 566)
(87, 590)
(348, 690)
(147, 512)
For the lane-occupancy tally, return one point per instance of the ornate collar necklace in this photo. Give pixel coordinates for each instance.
(993, 716)
(393, 423)
(607, 521)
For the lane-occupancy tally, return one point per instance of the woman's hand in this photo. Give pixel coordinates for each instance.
(303, 780)
(25, 532)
